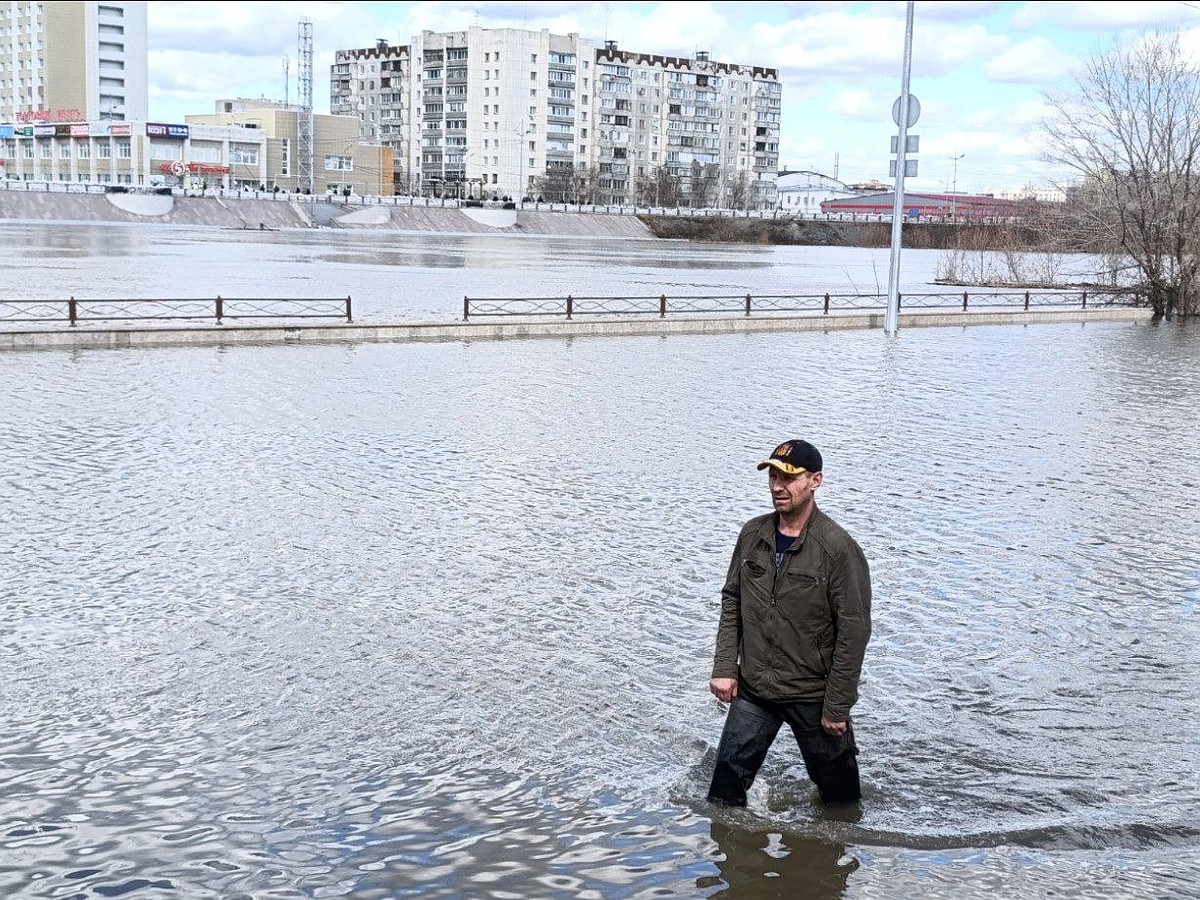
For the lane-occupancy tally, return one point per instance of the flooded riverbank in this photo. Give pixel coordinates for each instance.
(437, 619)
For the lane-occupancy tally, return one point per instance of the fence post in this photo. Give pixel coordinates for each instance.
(72, 313)
(466, 308)
(826, 312)
(964, 301)
(570, 306)
(662, 306)
(1027, 301)
(1085, 299)
(747, 304)
(349, 317)
(220, 309)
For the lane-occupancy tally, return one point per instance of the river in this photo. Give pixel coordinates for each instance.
(388, 620)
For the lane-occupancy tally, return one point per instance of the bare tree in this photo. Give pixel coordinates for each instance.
(569, 184)
(556, 185)
(738, 190)
(659, 188)
(1130, 127)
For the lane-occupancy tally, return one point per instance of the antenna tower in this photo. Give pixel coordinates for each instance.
(304, 121)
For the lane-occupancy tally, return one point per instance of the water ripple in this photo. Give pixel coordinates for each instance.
(436, 620)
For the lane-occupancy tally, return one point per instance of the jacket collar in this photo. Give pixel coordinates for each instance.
(770, 525)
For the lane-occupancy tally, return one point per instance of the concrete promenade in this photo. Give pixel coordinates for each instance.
(93, 337)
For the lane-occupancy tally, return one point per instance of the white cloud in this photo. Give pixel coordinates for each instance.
(863, 105)
(1102, 16)
(1033, 61)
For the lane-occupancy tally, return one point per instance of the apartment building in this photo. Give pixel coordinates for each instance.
(705, 133)
(370, 84)
(69, 61)
(506, 112)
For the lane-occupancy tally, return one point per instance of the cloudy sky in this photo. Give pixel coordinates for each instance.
(980, 69)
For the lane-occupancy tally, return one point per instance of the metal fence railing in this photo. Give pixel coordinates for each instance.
(571, 306)
(77, 310)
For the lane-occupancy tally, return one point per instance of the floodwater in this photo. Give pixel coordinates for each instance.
(391, 620)
(402, 276)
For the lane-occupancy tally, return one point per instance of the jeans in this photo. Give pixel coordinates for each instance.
(750, 728)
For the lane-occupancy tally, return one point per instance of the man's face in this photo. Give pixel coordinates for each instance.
(792, 494)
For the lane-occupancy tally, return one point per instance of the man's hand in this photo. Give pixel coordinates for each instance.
(837, 729)
(724, 689)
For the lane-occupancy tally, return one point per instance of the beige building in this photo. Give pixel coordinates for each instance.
(341, 162)
(70, 61)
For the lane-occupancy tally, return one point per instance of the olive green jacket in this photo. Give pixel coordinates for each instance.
(799, 635)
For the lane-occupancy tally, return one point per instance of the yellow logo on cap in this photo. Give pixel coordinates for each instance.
(783, 450)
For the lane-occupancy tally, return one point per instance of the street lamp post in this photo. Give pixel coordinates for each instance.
(954, 189)
(891, 320)
(528, 128)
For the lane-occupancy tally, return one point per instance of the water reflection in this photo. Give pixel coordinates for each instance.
(756, 865)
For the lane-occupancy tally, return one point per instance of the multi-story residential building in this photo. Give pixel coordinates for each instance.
(341, 161)
(70, 61)
(371, 85)
(494, 108)
(675, 130)
(508, 112)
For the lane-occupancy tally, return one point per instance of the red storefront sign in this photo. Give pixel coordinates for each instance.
(178, 168)
(46, 115)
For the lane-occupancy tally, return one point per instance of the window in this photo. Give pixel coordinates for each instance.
(64, 150)
(104, 150)
(243, 156)
(85, 150)
(168, 150)
(339, 164)
(45, 154)
(124, 151)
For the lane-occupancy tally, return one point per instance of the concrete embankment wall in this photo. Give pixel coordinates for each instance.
(493, 221)
(112, 338)
(148, 208)
(249, 213)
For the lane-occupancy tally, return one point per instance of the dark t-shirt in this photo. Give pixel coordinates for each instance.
(782, 543)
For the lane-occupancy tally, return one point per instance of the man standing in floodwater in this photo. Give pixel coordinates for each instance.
(795, 621)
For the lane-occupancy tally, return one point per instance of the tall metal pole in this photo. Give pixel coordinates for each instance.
(954, 202)
(304, 116)
(891, 321)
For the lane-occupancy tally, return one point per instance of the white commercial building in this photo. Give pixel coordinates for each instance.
(72, 61)
(802, 193)
(1029, 192)
(140, 154)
